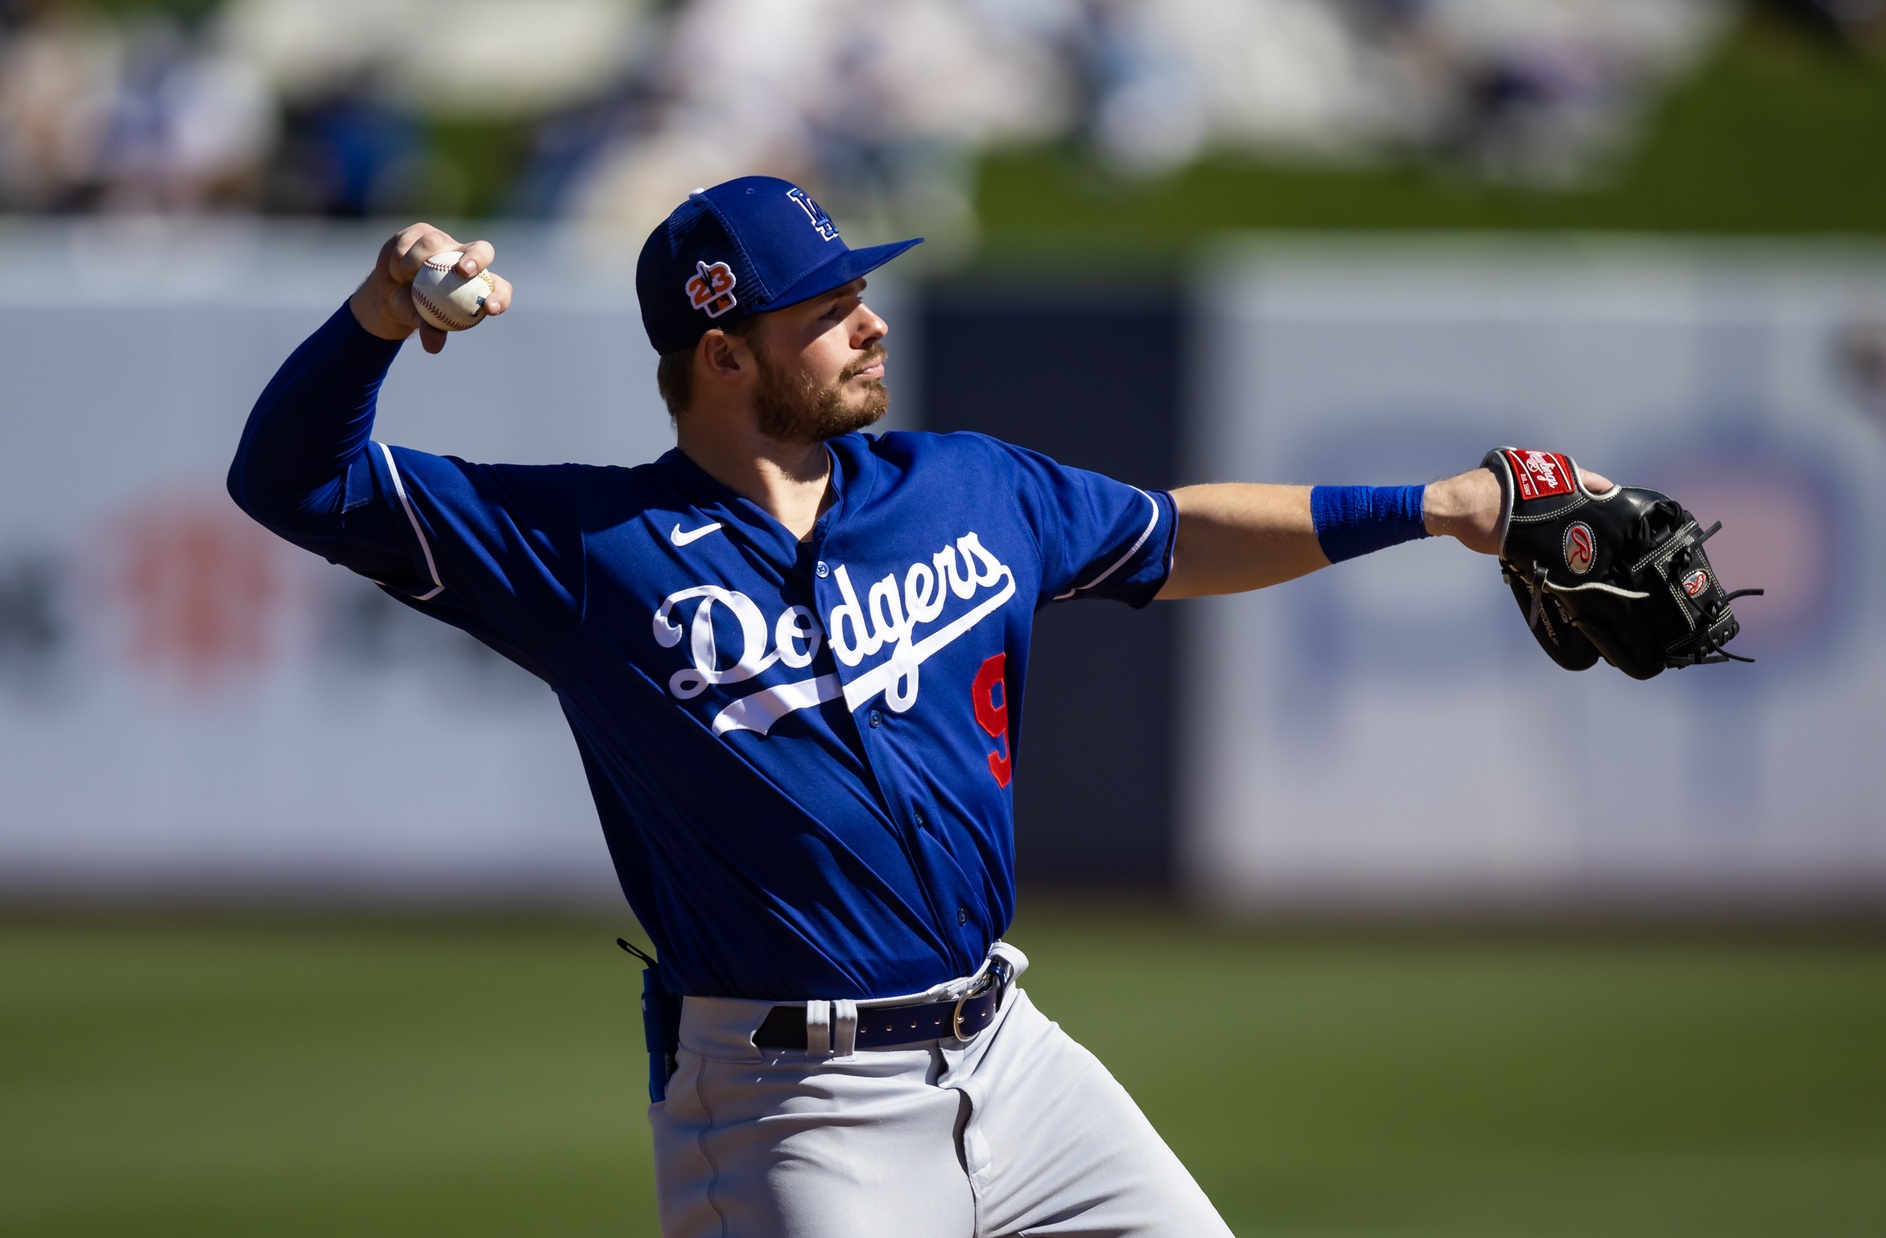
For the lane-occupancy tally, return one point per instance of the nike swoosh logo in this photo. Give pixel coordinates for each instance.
(692, 535)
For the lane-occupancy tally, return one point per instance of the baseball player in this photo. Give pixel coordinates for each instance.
(793, 657)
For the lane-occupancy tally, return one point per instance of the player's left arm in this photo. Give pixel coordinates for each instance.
(1235, 537)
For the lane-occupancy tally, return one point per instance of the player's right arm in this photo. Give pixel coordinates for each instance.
(490, 548)
(312, 422)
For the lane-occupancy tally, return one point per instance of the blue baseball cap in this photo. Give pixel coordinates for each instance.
(744, 247)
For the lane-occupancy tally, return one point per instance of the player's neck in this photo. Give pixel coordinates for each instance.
(789, 481)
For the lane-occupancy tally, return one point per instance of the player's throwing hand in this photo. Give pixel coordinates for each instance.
(383, 304)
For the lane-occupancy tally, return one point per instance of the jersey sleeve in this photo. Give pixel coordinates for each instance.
(1099, 538)
(492, 549)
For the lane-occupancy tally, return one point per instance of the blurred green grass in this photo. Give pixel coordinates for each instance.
(252, 1076)
(1778, 133)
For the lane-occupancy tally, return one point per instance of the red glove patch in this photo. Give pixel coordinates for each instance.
(1540, 474)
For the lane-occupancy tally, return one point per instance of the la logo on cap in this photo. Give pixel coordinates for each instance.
(710, 288)
(828, 231)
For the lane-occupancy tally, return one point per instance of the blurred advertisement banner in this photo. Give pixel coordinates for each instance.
(1387, 735)
(187, 703)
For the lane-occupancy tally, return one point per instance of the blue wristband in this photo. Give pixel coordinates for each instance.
(1354, 520)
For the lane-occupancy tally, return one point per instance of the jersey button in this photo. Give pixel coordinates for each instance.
(962, 915)
(877, 719)
(822, 570)
(916, 815)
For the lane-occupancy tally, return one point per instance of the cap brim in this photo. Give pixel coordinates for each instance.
(838, 272)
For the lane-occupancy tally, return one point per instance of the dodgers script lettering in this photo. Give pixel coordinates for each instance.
(901, 615)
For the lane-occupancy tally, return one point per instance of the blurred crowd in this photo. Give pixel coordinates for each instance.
(609, 110)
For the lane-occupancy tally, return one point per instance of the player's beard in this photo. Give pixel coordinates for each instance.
(792, 407)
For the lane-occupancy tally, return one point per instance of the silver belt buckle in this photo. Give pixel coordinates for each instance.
(994, 977)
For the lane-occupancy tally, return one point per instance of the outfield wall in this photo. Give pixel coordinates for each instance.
(188, 706)
(185, 701)
(1387, 734)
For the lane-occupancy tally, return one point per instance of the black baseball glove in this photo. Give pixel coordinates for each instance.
(1619, 575)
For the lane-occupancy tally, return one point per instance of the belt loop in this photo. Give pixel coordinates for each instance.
(818, 1028)
(844, 1027)
(1015, 958)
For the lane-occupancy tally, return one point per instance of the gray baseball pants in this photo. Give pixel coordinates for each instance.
(1021, 1131)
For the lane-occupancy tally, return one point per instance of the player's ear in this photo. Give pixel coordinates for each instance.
(723, 357)
(717, 357)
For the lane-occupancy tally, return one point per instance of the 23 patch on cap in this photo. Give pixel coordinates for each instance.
(710, 288)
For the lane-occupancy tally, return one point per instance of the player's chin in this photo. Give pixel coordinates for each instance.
(872, 407)
(864, 404)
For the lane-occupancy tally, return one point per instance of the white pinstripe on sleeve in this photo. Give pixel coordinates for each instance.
(432, 568)
(1130, 551)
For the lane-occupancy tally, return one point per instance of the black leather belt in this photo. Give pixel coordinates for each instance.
(882, 1026)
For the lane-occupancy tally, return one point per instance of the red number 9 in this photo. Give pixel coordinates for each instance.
(990, 694)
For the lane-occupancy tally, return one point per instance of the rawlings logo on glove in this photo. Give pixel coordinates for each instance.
(1540, 474)
(1619, 575)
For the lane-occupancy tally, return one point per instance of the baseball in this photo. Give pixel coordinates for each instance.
(446, 299)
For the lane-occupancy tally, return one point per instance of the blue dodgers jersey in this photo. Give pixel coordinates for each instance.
(802, 753)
